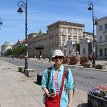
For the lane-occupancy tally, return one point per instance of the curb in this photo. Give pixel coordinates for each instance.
(81, 67)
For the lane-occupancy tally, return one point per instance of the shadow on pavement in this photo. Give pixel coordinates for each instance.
(82, 105)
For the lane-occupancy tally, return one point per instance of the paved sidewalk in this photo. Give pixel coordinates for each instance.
(17, 90)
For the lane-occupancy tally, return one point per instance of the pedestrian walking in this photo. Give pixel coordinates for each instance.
(57, 83)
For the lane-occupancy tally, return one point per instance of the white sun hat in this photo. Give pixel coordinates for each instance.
(57, 52)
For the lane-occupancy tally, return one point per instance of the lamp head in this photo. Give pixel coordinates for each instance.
(1, 23)
(90, 4)
(20, 10)
(89, 8)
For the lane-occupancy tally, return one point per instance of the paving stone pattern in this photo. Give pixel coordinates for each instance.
(17, 90)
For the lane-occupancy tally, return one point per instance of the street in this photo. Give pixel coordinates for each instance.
(85, 79)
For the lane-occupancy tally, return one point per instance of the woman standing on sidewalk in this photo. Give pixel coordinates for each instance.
(57, 83)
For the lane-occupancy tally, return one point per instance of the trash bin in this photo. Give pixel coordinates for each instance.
(21, 69)
(39, 78)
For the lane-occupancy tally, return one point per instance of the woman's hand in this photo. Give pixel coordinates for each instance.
(51, 95)
(69, 105)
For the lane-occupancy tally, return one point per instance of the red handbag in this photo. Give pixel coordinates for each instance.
(55, 102)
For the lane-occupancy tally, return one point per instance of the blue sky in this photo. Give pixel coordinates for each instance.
(41, 13)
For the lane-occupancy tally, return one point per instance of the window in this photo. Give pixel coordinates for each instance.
(63, 43)
(105, 51)
(100, 38)
(74, 37)
(69, 30)
(30, 44)
(69, 52)
(100, 52)
(69, 37)
(64, 30)
(100, 27)
(79, 31)
(63, 38)
(105, 26)
(74, 31)
(55, 30)
(105, 37)
(84, 51)
(79, 37)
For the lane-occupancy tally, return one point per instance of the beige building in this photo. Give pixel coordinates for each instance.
(88, 36)
(38, 45)
(101, 35)
(56, 37)
(4, 48)
(59, 33)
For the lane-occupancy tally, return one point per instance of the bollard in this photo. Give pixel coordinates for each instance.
(87, 65)
(100, 66)
(39, 77)
(29, 72)
(21, 69)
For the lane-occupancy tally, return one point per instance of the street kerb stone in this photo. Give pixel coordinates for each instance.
(21, 69)
(100, 66)
(30, 72)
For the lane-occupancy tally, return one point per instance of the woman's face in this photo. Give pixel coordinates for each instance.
(58, 60)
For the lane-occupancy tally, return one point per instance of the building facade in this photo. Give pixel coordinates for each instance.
(88, 36)
(41, 45)
(31, 42)
(60, 32)
(101, 35)
(85, 44)
(5, 47)
(56, 37)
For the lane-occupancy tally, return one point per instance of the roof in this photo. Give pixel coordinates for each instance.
(89, 33)
(66, 23)
(105, 17)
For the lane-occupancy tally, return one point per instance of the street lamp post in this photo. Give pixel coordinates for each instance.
(94, 20)
(21, 5)
(1, 23)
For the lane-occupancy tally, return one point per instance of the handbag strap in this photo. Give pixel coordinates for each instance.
(49, 74)
(61, 88)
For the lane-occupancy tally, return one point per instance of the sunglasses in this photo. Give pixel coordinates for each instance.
(58, 57)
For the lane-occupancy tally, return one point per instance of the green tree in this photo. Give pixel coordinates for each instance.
(78, 47)
(21, 49)
(16, 52)
(8, 52)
